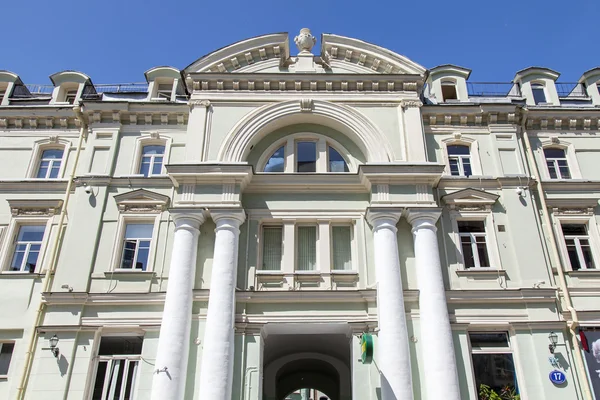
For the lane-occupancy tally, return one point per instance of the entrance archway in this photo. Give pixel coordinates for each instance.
(308, 373)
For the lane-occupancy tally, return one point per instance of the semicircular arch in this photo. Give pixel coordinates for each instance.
(257, 124)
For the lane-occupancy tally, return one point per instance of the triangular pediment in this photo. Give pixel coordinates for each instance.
(470, 197)
(141, 200)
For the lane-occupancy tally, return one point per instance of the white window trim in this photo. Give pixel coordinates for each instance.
(8, 247)
(593, 233)
(544, 87)
(153, 91)
(59, 94)
(260, 246)
(322, 161)
(473, 149)
(448, 82)
(569, 154)
(151, 139)
(353, 246)
(491, 240)
(38, 149)
(117, 256)
(318, 247)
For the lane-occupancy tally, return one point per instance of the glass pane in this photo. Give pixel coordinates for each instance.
(142, 258)
(6, 351)
(148, 150)
(587, 253)
(52, 154)
(573, 256)
(31, 233)
(157, 166)
(454, 170)
(538, 95)
(117, 376)
(43, 170)
(554, 153)
(272, 246)
(128, 253)
(17, 261)
(145, 167)
(341, 247)
(307, 248)
(457, 149)
(482, 253)
(467, 252)
(467, 166)
(336, 161)
(55, 169)
(471, 226)
(111, 345)
(574, 229)
(99, 383)
(139, 231)
(277, 161)
(496, 371)
(564, 169)
(130, 378)
(488, 339)
(552, 170)
(306, 157)
(34, 252)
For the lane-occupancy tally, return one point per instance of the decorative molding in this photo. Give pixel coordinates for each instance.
(587, 211)
(34, 208)
(141, 201)
(306, 105)
(470, 200)
(411, 104)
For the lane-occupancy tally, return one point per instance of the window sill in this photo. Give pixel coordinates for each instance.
(481, 272)
(126, 272)
(20, 274)
(3, 377)
(587, 273)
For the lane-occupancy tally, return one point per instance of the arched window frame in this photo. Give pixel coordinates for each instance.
(473, 150)
(150, 139)
(322, 161)
(48, 144)
(543, 85)
(569, 154)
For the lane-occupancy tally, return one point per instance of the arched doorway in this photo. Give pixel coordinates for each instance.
(308, 373)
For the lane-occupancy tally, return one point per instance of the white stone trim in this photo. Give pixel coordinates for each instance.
(46, 144)
(569, 153)
(257, 124)
(322, 164)
(473, 146)
(125, 219)
(594, 233)
(149, 139)
(490, 235)
(8, 247)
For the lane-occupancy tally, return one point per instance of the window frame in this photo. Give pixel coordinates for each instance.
(150, 139)
(569, 150)
(448, 82)
(306, 224)
(491, 240)
(322, 154)
(472, 144)
(53, 143)
(14, 343)
(593, 236)
(542, 86)
(353, 246)
(473, 244)
(260, 247)
(155, 93)
(9, 247)
(118, 246)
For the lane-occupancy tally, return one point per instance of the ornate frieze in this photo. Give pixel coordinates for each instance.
(573, 211)
(34, 208)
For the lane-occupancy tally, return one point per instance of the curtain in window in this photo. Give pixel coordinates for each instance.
(307, 248)
(271, 251)
(341, 240)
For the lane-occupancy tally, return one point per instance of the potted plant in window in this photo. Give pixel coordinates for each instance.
(506, 393)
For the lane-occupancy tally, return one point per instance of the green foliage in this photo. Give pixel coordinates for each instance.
(507, 393)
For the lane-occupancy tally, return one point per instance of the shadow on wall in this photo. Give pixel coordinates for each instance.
(63, 364)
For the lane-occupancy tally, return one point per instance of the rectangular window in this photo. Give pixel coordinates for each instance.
(152, 160)
(27, 248)
(164, 91)
(556, 160)
(459, 158)
(6, 351)
(578, 245)
(50, 164)
(272, 248)
(539, 94)
(473, 243)
(493, 363)
(70, 96)
(341, 247)
(449, 91)
(306, 157)
(136, 246)
(116, 372)
(306, 248)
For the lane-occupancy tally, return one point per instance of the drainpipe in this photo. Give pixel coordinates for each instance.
(49, 275)
(562, 282)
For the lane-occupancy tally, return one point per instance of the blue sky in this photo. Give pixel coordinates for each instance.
(116, 41)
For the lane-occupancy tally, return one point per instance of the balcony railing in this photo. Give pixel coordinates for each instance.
(39, 89)
(122, 88)
(493, 89)
(571, 90)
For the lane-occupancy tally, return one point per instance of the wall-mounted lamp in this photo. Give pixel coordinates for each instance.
(53, 346)
(553, 338)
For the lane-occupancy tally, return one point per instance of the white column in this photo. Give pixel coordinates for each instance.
(440, 372)
(216, 375)
(392, 352)
(168, 382)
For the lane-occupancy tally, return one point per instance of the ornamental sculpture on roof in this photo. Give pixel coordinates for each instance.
(305, 41)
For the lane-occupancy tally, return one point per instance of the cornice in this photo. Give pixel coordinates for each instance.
(400, 173)
(33, 186)
(574, 187)
(490, 296)
(305, 183)
(484, 182)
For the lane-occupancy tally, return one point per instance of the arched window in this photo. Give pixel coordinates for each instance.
(459, 158)
(539, 93)
(556, 161)
(152, 160)
(336, 161)
(276, 161)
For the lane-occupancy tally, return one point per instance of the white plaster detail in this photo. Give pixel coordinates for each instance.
(305, 40)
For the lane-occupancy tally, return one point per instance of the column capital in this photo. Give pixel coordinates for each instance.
(228, 217)
(188, 220)
(379, 217)
(423, 217)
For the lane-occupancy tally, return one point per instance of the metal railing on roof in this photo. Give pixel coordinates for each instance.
(122, 87)
(493, 89)
(39, 89)
(571, 90)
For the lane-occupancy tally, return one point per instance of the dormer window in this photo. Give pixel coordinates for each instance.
(2, 93)
(539, 93)
(164, 91)
(449, 90)
(70, 96)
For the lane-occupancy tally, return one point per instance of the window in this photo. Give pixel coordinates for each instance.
(307, 248)
(164, 91)
(306, 157)
(473, 244)
(539, 93)
(2, 93)
(117, 365)
(556, 160)
(578, 245)
(341, 247)
(50, 163)
(336, 161)
(70, 96)
(6, 350)
(27, 248)
(136, 246)
(152, 160)
(449, 91)
(276, 162)
(493, 363)
(272, 248)
(459, 158)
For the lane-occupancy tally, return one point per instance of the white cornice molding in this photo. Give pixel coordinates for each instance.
(141, 201)
(34, 208)
(470, 200)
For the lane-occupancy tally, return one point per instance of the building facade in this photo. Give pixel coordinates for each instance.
(239, 228)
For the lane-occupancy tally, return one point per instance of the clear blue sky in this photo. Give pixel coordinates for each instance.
(117, 40)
